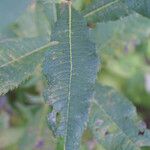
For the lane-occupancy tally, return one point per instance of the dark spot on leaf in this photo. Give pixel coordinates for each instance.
(141, 132)
(106, 133)
(58, 118)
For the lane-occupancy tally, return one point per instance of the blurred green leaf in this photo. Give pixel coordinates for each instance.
(146, 148)
(19, 58)
(37, 20)
(115, 123)
(10, 136)
(137, 94)
(105, 10)
(37, 134)
(122, 35)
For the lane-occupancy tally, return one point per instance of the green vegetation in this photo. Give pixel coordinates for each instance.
(74, 75)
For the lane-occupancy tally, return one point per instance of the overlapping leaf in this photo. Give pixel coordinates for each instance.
(105, 10)
(113, 35)
(70, 68)
(40, 17)
(19, 58)
(115, 123)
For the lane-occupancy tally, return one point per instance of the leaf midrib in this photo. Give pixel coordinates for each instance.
(71, 69)
(29, 54)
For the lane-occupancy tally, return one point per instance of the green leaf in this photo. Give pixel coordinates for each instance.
(40, 17)
(49, 9)
(105, 10)
(115, 123)
(70, 68)
(19, 58)
(133, 29)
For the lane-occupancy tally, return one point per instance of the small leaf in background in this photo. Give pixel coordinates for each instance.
(115, 123)
(106, 10)
(37, 20)
(100, 11)
(70, 68)
(133, 30)
(127, 49)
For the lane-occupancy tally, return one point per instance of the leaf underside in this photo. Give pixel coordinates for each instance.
(70, 68)
(115, 123)
(105, 10)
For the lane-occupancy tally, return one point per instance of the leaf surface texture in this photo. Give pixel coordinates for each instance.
(105, 10)
(115, 123)
(70, 68)
(19, 58)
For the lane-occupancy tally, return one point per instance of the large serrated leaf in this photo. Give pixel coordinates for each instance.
(115, 123)
(105, 10)
(70, 68)
(19, 58)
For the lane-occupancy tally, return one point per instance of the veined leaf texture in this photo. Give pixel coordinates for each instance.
(70, 68)
(115, 123)
(19, 58)
(105, 10)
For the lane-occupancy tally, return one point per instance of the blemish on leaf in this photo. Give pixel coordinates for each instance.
(141, 132)
(106, 133)
(58, 118)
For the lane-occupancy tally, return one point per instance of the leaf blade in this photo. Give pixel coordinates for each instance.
(19, 58)
(108, 38)
(70, 82)
(101, 11)
(115, 122)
